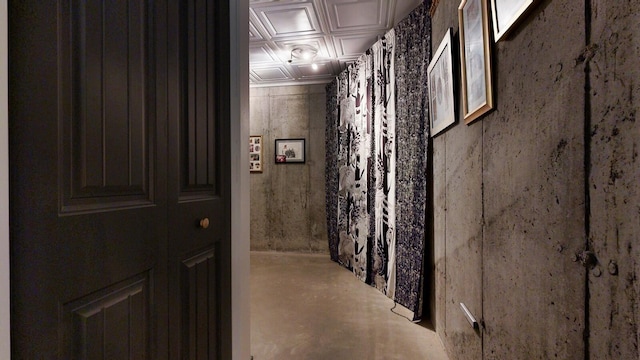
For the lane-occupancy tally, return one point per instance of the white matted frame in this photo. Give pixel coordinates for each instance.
(442, 112)
(475, 59)
(506, 13)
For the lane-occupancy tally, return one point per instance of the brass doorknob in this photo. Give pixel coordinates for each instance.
(204, 223)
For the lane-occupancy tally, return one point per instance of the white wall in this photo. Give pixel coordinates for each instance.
(5, 330)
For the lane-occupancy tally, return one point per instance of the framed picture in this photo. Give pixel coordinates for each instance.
(440, 78)
(475, 59)
(505, 14)
(289, 151)
(255, 153)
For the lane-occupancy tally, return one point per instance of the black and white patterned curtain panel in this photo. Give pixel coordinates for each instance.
(375, 208)
(353, 160)
(413, 42)
(331, 167)
(384, 166)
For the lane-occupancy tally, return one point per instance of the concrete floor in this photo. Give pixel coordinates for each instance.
(308, 307)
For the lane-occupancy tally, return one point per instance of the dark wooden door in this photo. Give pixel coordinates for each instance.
(199, 189)
(108, 260)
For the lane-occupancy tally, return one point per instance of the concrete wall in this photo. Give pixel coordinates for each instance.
(551, 172)
(614, 179)
(288, 201)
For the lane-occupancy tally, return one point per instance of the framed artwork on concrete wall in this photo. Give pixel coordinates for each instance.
(290, 151)
(475, 59)
(506, 13)
(255, 153)
(440, 79)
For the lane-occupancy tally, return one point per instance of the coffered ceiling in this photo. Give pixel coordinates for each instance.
(340, 31)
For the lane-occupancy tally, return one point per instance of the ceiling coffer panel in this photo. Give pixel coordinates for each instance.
(307, 72)
(352, 46)
(290, 19)
(356, 15)
(262, 54)
(272, 74)
(320, 43)
(254, 34)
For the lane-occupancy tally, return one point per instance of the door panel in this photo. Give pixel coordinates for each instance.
(199, 276)
(198, 118)
(197, 188)
(106, 121)
(111, 324)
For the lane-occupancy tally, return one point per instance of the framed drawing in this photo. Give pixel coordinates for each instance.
(505, 14)
(440, 79)
(475, 59)
(290, 151)
(255, 153)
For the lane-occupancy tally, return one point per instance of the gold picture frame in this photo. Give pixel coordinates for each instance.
(475, 59)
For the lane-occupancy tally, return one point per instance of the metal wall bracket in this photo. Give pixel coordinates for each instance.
(470, 318)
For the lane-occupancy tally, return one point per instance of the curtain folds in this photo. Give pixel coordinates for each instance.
(376, 138)
(413, 42)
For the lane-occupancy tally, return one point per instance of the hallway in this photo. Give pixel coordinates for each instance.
(308, 307)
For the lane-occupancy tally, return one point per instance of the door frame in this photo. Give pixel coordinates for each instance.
(239, 129)
(239, 23)
(5, 307)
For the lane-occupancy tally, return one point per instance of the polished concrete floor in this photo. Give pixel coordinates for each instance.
(308, 307)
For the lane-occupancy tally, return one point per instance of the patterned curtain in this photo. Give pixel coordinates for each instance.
(331, 167)
(367, 206)
(354, 142)
(413, 42)
(384, 159)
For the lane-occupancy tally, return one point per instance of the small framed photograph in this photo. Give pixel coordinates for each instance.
(290, 151)
(442, 112)
(475, 59)
(255, 153)
(506, 13)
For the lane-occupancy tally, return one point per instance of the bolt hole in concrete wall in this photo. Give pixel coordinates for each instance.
(288, 200)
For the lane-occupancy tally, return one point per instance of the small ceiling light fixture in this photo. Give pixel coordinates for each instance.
(304, 53)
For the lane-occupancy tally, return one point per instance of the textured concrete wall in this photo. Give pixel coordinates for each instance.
(457, 220)
(614, 179)
(534, 190)
(288, 201)
(463, 229)
(510, 197)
